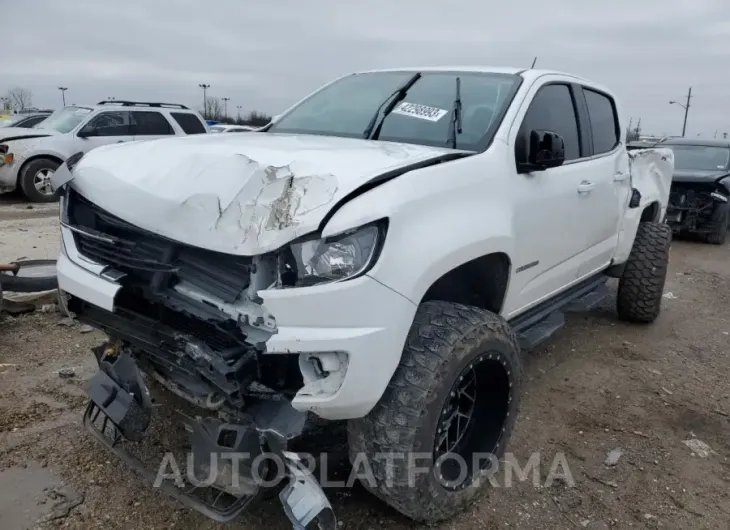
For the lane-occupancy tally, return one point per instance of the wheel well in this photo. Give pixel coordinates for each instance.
(481, 282)
(651, 213)
(34, 158)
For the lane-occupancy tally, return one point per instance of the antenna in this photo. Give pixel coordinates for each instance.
(533, 63)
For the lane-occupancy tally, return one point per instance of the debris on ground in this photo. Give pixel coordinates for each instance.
(85, 329)
(66, 373)
(613, 457)
(699, 447)
(68, 321)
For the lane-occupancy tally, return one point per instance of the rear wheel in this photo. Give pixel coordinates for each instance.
(35, 180)
(720, 221)
(448, 412)
(641, 285)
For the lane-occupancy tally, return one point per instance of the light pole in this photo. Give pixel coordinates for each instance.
(686, 109)
(63, 90)
(225, 107)
(111, 98)
(238, 116)
(205, 97)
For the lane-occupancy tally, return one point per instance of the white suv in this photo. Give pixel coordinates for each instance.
(382, 253)
(28, 157)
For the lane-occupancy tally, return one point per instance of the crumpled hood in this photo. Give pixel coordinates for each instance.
(239, 194)
(19, 133)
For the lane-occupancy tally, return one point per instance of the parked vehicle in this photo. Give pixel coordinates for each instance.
(25, 121)
(698, 201)
(381, 254)
(223, 128)
(29, 157)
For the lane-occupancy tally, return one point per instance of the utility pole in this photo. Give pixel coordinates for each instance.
(111, 98)
(205, 98)
(225, 107)
(63, 90)
(686, 110)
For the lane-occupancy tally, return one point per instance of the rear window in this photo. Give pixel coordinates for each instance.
(148, 123)
(604, 121)
(189, 123)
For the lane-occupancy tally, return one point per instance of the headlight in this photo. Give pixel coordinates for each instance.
(338, 258)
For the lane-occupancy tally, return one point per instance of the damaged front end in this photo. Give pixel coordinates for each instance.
(693, 205)
(189, 321)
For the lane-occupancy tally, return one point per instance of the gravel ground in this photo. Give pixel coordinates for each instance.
(597, 386)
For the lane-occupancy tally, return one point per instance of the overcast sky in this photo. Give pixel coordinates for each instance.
(265, 56)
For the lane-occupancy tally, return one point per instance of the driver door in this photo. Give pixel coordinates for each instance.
(107, 127)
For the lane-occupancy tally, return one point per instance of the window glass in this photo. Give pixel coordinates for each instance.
(112, 123)
(552, 109)
(148, 123)
(189, 123)
(64, 120)
(346, 107)
(700, 157)
(604, 122)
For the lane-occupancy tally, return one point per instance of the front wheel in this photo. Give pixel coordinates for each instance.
(35, 180)
(641, 286)
(448, 411)
(720, 219)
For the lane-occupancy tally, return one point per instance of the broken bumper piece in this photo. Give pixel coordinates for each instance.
(119, 413)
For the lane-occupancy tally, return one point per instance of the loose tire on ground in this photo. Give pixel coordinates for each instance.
(720, 220)
(28, 280)
(444, 342)
(642, 282)
(27, 176)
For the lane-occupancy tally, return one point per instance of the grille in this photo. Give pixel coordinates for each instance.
(152, 260)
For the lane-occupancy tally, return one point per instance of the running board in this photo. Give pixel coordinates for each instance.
(540, 322)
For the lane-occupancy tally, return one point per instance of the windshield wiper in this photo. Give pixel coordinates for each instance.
(455, 125)
(392, 100)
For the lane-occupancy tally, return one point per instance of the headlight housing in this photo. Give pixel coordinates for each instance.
(343, 257)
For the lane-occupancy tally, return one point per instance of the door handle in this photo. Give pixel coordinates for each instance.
(586, 187)
(620, 176)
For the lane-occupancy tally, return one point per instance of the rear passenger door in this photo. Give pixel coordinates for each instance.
(150, 124)
(608, 174)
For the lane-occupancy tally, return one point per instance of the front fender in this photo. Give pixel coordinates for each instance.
(439, 218)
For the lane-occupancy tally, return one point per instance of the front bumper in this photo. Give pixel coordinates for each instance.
(9, 176)
(361, 320)
(120, 411)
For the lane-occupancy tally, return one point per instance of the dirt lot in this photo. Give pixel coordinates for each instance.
(598, 385)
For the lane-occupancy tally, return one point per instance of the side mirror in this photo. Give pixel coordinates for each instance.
(87, 131)
(544, 150)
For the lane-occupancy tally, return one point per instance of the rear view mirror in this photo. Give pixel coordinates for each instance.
(544, 149)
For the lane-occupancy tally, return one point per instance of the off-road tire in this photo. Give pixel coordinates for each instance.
(26, 179)
(720, 220)
(444, 340)
(642, 282)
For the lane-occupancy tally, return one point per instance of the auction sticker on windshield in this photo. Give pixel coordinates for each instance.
(422, 112)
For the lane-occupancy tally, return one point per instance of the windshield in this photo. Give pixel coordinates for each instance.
(700, 157)
(345, 108)
(65, 119)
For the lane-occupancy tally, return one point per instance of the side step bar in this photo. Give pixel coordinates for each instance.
(539, 323)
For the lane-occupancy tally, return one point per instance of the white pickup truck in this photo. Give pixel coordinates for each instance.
(383, 253)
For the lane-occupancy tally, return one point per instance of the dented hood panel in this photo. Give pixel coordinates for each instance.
(239, 194)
